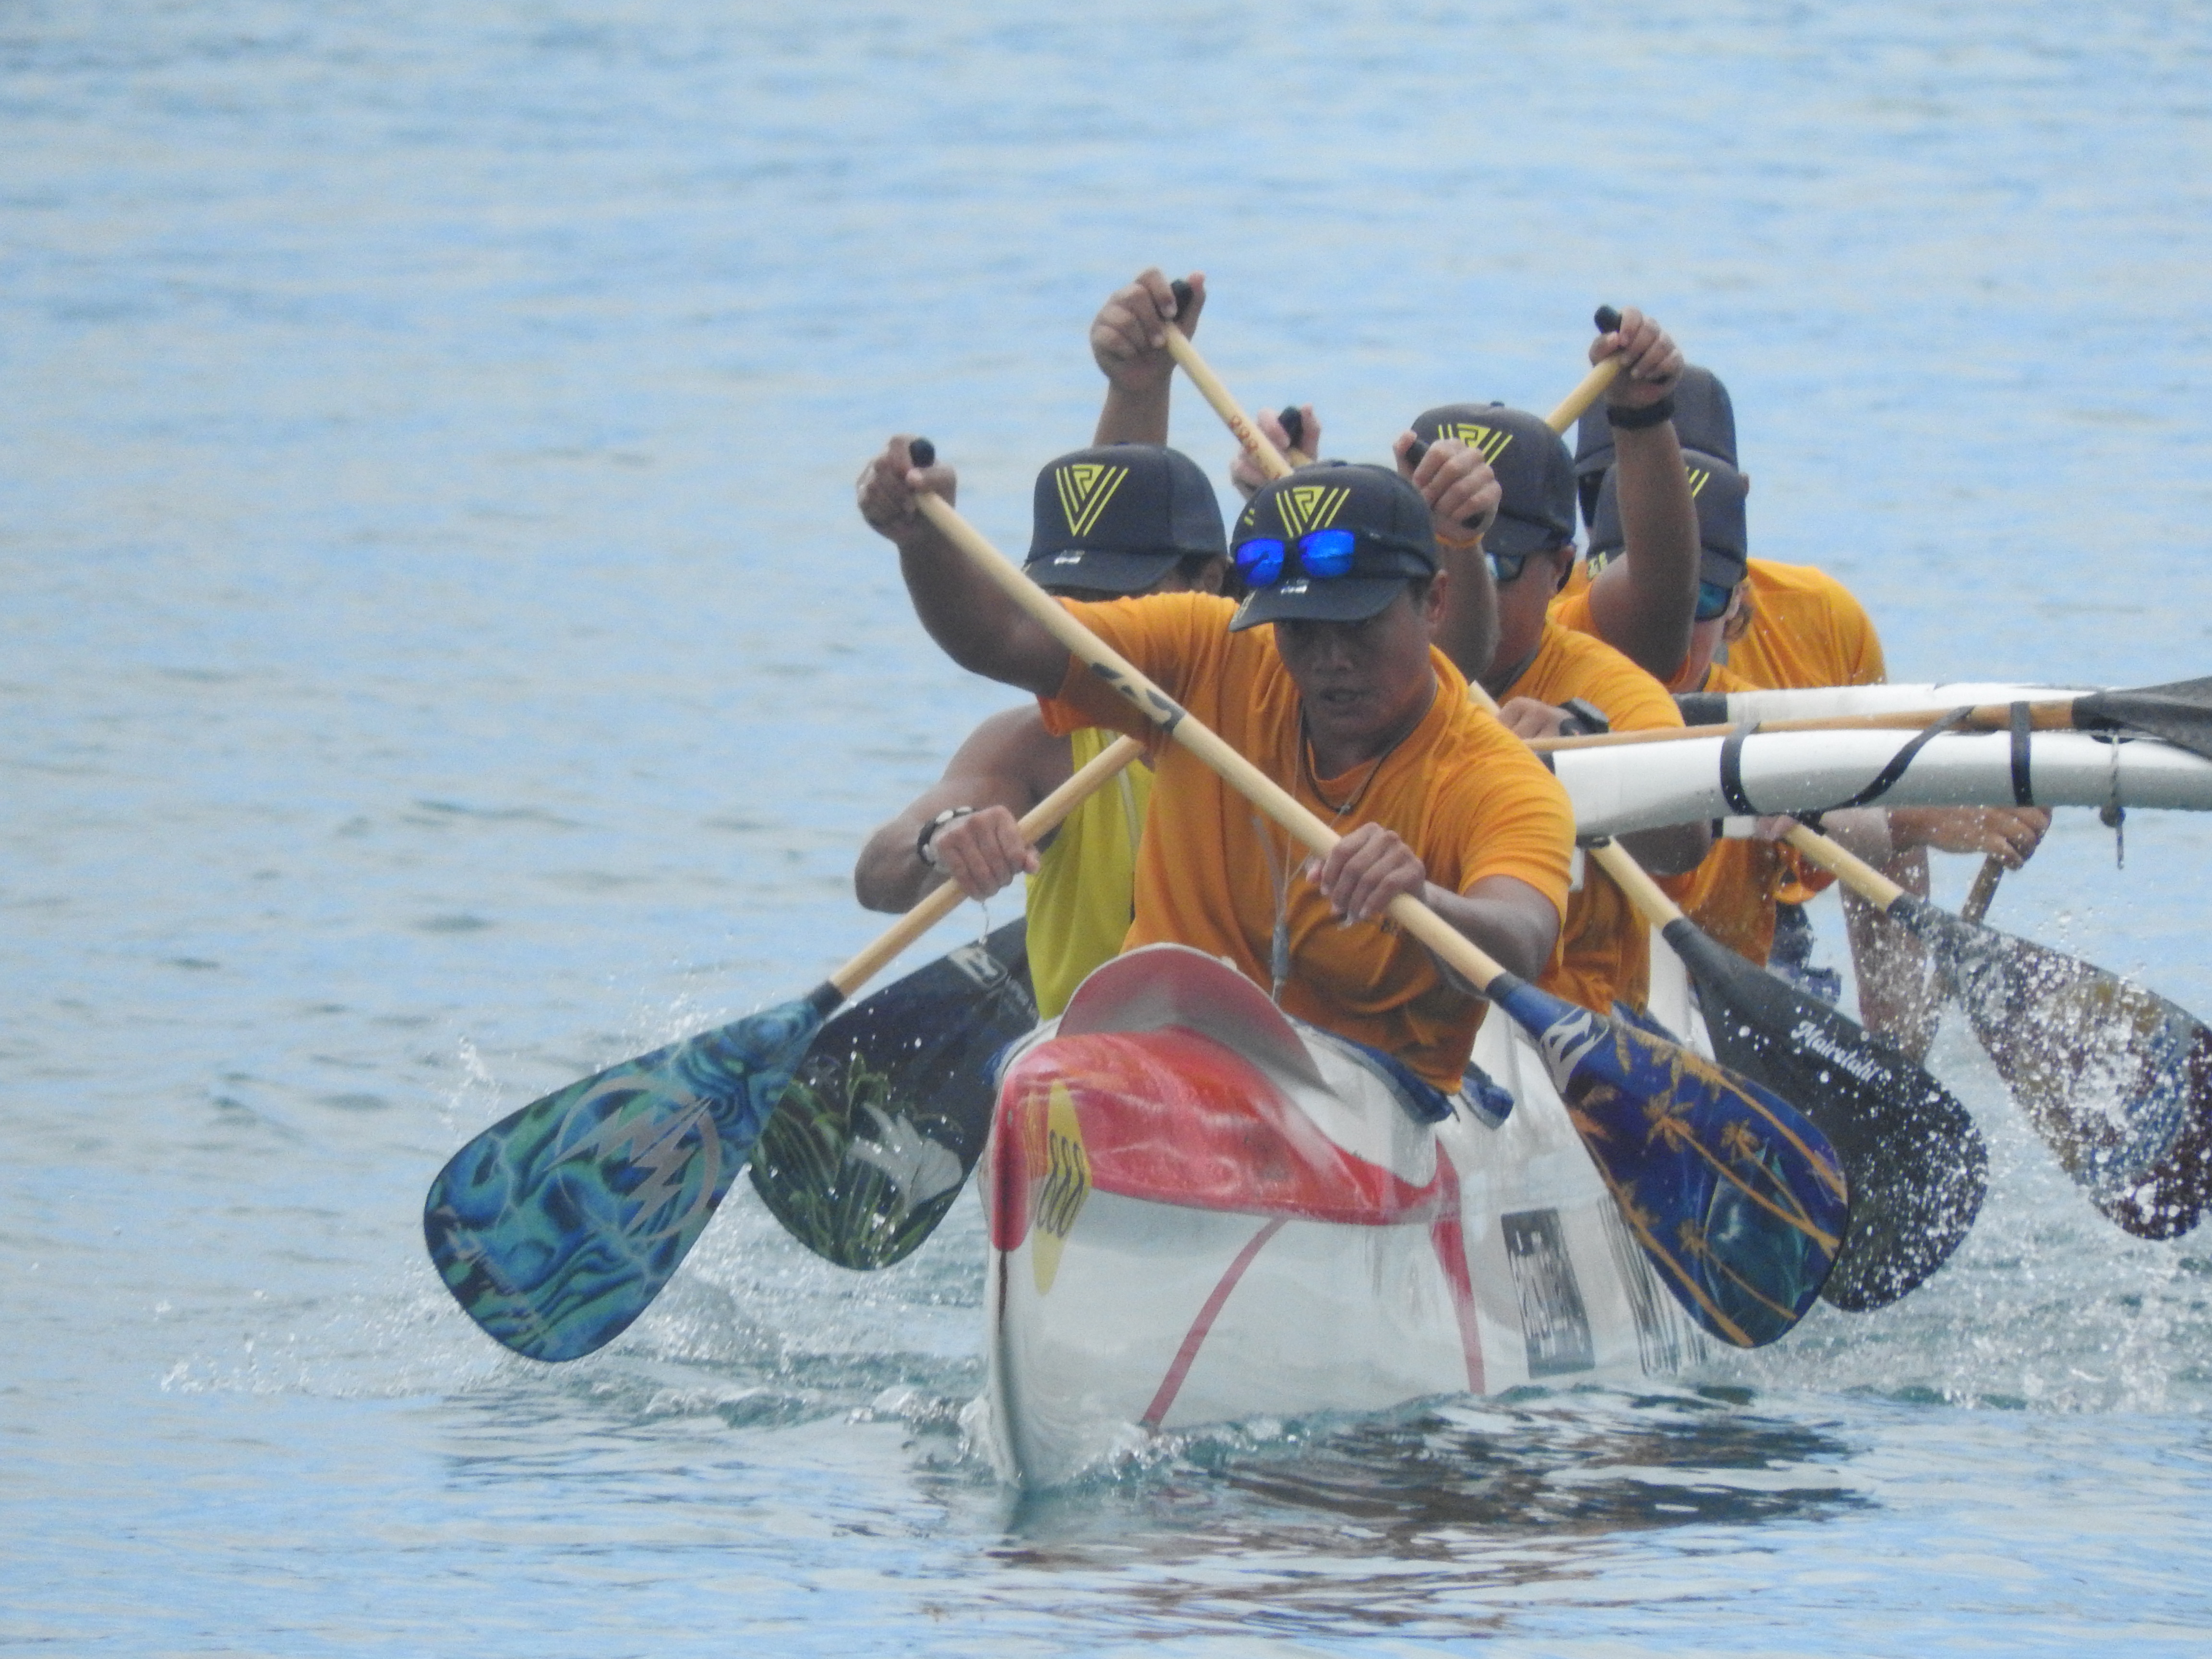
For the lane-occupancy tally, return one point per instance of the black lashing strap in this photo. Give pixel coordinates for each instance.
(2023, 788)
(1732, 765)
(1732, 770)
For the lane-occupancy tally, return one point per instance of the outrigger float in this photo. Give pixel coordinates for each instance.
(1201, 1213)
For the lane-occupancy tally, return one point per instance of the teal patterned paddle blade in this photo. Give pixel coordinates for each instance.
(556, 1227)
(1739, 1202)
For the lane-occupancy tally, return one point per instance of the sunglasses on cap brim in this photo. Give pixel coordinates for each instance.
(1325, 555)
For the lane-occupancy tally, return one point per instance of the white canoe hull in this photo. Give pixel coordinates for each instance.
(1499, 1259)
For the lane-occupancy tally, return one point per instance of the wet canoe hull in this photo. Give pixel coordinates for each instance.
(1201, 1218)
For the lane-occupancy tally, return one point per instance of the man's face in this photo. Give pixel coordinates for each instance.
(1706, 639)
(1362, 681)
(1524, 600)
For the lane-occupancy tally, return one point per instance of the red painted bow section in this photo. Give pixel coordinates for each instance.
(1177, 1118)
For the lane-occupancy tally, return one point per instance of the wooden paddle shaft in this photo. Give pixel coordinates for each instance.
(1592, 386)
(1983, 717)
(1268, 458)
(1039, 821)
(1855, 873)
(1645, 894)
(1454, 947)
(1983, 889)
(1271, 460)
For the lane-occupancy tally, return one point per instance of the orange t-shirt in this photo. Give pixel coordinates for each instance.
(1806, 629)
(1461, 790)
(1570, 607)
(1733, 893)
(1604, 952)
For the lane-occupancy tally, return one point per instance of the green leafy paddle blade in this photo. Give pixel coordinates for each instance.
(876, 1133)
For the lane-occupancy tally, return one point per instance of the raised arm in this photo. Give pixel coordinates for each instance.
(1643, 603)
(1462, 493)
(968, 616)
(1129, 339)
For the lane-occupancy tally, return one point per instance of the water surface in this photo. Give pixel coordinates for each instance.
(438, 657)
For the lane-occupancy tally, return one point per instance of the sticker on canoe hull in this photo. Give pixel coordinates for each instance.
(1553, 1321)
(1067, 1184)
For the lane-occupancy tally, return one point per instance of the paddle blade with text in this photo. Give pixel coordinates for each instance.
(556, 1227)
(1917, 1165)
(876, 1135)
(2115, 1078)
(1740, 1203)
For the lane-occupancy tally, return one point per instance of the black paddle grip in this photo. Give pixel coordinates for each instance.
(1294, 425)
(1607, 319)
(923, 453)
(1181, 289)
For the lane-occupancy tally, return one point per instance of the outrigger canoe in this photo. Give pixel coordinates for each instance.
(1201, 1213)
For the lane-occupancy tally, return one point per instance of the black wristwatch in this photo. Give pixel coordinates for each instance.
(921, 841)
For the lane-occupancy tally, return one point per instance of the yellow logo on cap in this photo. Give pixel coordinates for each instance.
(1310, 506)
(1699, 477)
(1490, 440)
(1085, 489)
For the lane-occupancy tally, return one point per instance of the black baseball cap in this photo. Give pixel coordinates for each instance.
(1704, 420)
(1118, 517)
(1395, 543)
(1717, 487)
(1534, 469)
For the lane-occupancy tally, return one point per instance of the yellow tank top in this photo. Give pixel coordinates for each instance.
(1083, 899)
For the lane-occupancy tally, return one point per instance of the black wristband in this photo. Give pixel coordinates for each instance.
(1634, 420)
(921, 841)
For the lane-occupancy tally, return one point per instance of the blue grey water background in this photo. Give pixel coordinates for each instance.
(438, 657)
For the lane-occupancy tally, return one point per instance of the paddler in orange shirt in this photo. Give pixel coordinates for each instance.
(1127, 516)
(1801, 627)
(1325, 679)
(1108, 521)
(1548, 679)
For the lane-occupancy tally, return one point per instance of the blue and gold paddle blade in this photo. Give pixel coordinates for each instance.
(556, 1227)
(1740, 1203)
(1916, 1166)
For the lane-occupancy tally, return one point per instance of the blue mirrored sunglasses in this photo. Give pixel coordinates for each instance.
(1713, 600)
(1321, 553)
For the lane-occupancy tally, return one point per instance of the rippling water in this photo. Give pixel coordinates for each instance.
(438, 657)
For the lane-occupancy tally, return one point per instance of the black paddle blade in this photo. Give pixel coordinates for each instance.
(2180, 713)
(555, 1227)
(880, 1127)
(1916, 1163)
(2115, 1078)
(1737, 1200)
